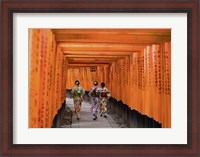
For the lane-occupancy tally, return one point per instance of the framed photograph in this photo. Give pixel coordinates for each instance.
(179, 18)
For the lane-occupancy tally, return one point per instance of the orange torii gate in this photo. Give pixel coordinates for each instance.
(141, 80)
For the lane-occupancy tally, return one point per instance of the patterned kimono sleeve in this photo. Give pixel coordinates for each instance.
(99, 91)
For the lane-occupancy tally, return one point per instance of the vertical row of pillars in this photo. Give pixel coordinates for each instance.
(131, 118)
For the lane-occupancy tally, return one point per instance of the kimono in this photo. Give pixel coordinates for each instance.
(78, 93)
(94, 94)
(103, 101)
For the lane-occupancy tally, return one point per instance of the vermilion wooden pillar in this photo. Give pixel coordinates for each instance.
(46, 78)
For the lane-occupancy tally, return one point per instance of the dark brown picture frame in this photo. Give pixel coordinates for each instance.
(8, 7)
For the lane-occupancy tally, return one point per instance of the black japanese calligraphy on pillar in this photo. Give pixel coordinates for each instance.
(139, 62)
(167, 69)
(155, 67)
(160, 73)
(143, 71)
(149, 71)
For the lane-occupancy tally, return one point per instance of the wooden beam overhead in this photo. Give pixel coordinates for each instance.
(114, 31)
(86, 65)
(92, 59)
(92, 44)
(97, 53)
(102, 38)
(91, 62)
(92, 56)
(100, 47)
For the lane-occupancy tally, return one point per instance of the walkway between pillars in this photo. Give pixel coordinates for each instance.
(86, 119)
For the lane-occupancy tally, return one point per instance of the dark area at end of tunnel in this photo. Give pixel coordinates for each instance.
(120, 112)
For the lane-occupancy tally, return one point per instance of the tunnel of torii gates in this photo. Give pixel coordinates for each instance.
(135, 65)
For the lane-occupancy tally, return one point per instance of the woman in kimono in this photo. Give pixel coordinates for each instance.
(94, 95)
(78, 93)
(104, 96)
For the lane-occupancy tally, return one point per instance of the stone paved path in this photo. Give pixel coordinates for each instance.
(86, 119)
